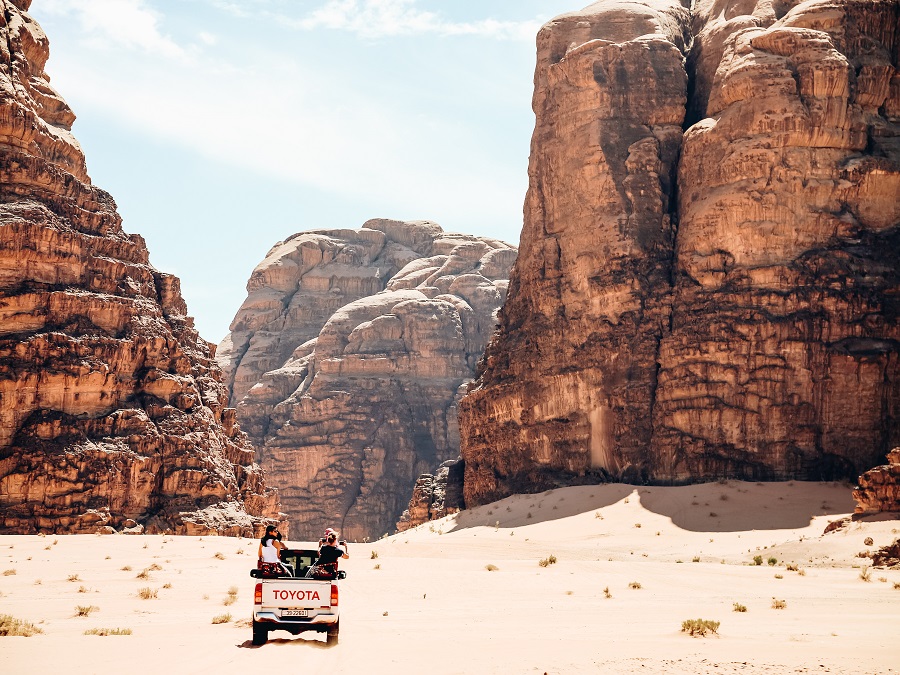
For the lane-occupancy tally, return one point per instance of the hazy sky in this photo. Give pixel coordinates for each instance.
(223, 126)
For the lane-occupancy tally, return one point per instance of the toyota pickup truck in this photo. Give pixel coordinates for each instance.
(294, 603)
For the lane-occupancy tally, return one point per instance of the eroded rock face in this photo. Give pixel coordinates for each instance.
(435, 496)
(878, 489)
(347, 361)
(112, 411)
(715, 302)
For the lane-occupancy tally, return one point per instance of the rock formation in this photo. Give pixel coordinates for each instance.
(708, 269)
(435, 496)
(878, 489)
(347, 360)
(112, 411)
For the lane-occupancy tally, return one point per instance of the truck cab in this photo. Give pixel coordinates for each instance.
(294, 603)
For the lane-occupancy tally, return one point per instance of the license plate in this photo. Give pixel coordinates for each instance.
(295, 612)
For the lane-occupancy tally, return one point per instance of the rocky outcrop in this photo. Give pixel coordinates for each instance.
(712, 302)
(112, 410)
(878, 489)
(435, 496)
(347, 360)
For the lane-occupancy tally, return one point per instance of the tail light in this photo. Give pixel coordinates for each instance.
(257, 595)
(334, 596)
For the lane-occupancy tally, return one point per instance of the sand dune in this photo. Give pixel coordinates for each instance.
(427, 603)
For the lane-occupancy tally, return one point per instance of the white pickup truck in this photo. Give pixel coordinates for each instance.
(294, 603)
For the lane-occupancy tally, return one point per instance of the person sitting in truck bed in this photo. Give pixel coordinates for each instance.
(269, 545)
(329, 554)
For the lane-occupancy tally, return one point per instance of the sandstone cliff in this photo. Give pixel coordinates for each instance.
(347, 360)
(708, 273)
(112, 412)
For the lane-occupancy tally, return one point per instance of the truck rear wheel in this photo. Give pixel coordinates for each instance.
(260, 634)
(331, 637)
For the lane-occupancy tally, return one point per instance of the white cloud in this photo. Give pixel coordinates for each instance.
(387, 18)
(111, 24)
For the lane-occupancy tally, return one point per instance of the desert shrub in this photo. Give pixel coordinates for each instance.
(491, 568)
(757, 560)
(779, 604)
(222, 618)
(792, 568)
(545, 562)
(779, 576)
(167, 586)
(108, 631)
(8, 573)
(144, 574)
(230, 600)
(696, 558)
(85, 610)
(377, 566)
(219, 556)
(373, 555)
(772, 562)
(154, 568)
(897, 585)
(606, 592)
(738, 607)
(9, 626)
(637, 525)
(126, 568)
(866, 574)
(83, 589)
(73, 577)
(699, 626)
(635, 585)
(147, 593)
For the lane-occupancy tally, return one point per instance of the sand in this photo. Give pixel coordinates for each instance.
(428, 604)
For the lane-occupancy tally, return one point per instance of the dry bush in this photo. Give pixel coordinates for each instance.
(635, 585)
(377, 566)
(126, 568)
(779, 576)
(147, 593)
(792, 568)
(779, 604)
(738, 607)
(167, 586)
(866, 574)
(373, 555)
(222, 618)
(73, 577)
(85, 610)
(83, 589)
(9, 626)
(606, 593)
(699, 626)
(154, 568)
(696, 558)
(8, 573)
(491, 568)
(144, 574)
(219, 556)
(108, 631)
(549, 560)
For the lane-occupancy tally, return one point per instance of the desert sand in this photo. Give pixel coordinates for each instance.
(424, 601)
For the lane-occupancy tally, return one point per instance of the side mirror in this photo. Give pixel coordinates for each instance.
(254, 574)
(342, 575)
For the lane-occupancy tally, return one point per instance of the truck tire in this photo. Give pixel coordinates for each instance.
(260, 634)
(331, 638)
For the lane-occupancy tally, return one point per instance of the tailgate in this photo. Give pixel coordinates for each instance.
(296, 594)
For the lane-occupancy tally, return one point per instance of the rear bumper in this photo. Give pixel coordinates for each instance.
(272, 619)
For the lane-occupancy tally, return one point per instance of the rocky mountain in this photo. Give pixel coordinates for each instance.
(708, 274)
(113, 415)
(347, 360)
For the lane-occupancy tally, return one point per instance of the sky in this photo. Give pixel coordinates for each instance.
(221, 127)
